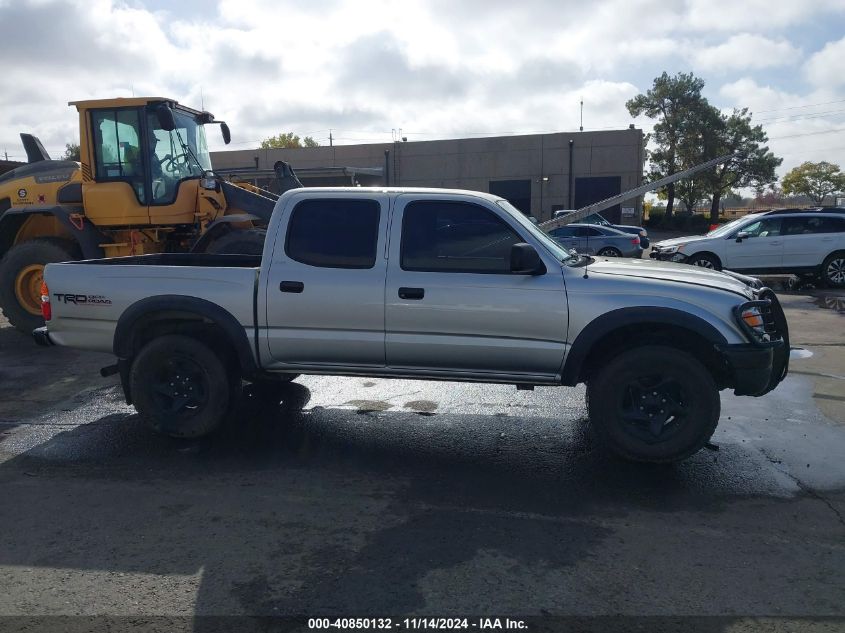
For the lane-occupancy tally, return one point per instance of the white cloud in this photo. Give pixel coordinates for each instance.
(827, 67)
(435, 68)
(755, 15)
(746, 51)
(801, 127)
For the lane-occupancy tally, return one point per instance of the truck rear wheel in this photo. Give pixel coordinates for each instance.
(180, 386)
(653, 404)
(21, 274)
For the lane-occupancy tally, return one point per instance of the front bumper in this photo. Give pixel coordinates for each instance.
(750, 368)
(42, 336)
(756, 368)
(668, 257)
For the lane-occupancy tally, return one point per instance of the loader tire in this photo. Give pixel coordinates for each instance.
(21, 273)
(239, 242)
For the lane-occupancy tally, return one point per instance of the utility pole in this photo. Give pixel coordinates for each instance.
(581, 128)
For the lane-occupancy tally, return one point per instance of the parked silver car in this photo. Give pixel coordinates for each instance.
(590, 239)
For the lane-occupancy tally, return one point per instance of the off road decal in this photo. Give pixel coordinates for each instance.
(82, 300)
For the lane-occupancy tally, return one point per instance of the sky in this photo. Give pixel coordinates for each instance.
(366, 69)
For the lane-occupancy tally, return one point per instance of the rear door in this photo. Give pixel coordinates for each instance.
(807, 240)
(325, 288)
(452, 302)
(761, 249)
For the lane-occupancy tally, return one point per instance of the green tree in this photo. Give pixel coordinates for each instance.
(814, 180)
(287, 140)
(751, 164)
(672, 101)
(72, 152)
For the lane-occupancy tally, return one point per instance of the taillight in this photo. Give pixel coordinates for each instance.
(635, 241)
(46, 311)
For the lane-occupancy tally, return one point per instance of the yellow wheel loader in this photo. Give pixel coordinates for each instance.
(144, 184)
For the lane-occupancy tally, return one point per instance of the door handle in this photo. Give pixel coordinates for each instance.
(291, 286)
(411, 293)
(775, 243)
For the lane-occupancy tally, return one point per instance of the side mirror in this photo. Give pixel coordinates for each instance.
(525, 260)
(165, 118)
(227, 135)
(742, 235)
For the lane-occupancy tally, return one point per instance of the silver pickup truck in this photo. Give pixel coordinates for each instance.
(423, 283)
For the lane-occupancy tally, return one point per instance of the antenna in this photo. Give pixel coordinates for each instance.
(581, 127)
(331, 140)
(202, 100)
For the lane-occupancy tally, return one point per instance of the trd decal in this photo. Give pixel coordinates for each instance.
(97, 300)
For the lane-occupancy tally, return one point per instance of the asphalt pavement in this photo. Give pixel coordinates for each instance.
(394, 498)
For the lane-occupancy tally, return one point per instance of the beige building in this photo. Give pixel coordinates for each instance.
(538, 173)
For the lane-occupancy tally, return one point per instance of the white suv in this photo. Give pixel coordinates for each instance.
(775, 242)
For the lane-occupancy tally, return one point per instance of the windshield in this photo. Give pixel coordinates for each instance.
(175, 155)
(183, 151)
(553, 247)
(727, 228)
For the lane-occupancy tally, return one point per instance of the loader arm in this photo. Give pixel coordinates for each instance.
(583, 212)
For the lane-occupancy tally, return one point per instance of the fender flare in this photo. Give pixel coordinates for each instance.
(145, 310)
(88, 237)
(218, 227)
(616, 319)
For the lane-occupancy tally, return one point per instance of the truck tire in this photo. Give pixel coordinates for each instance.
(21, 273)
(653, 404)
(833, 270)
(239, 242)
(180, 387)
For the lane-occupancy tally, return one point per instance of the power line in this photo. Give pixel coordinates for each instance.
(809, 105)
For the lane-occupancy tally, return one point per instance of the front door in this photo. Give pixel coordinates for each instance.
(117, 194)
(451, 301)
(325, 288)
(760, 248)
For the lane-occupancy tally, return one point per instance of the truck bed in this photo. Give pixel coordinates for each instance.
(88, 297)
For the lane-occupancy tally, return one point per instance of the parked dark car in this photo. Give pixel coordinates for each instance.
(599, 220)
(590, 239)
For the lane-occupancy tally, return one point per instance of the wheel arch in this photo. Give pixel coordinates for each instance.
(625, 328)
(709, 254)
(176, 314)
(86, 235)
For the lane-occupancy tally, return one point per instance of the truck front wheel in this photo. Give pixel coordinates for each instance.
(653, 404)
(180, 386)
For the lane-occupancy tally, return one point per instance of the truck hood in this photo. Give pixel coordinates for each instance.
(669, 271)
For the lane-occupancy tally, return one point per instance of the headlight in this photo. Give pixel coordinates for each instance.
(751, 319)
(672, 249)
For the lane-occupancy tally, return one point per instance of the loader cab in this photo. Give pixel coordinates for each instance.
(141, 161)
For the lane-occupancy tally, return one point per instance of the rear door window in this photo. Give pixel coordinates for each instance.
(334, 233)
